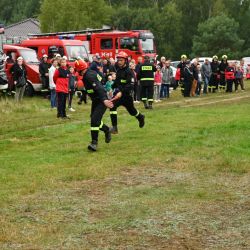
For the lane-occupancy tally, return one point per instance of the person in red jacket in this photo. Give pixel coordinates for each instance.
(61, 79)
(230, 76)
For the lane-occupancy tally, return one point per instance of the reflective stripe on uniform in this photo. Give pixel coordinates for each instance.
(137, 113)
(113, 112)
(94, 128)
(99, 77)
(150, 100)
(90, 91)
(123, 81)
(144, 99)
(147, 68)
(147, 79)
(101, 125)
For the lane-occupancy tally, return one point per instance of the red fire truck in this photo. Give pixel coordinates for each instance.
(108, 42)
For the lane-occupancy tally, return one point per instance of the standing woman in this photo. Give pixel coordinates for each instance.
(20, 78)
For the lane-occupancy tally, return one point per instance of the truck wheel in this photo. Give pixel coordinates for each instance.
(29, 91)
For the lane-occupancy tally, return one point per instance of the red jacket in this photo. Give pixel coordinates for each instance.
(178, 74)
(229, 73)
(61, 79)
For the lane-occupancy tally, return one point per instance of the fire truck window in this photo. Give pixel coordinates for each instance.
(34, 48)
(11, 57)
(129, 43)
(53, 50)
(61, 51)
(107, 43)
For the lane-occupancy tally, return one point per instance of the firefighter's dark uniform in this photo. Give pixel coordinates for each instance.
(98, 95)
(213, 83)
(181, 66)
(146, 78)
(222, 67)
(124, 83)
(188, 80)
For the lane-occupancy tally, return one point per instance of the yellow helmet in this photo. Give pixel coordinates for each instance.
(183, 57)
(224, 57)
(215, 57)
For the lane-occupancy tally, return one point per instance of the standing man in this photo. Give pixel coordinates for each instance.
(206, 74)
(215, 74)
(123, 86)
(146, 78)
(100, 103)
(44, 72)
(222, 67)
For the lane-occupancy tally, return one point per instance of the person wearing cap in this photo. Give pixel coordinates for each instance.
(100, 102)
(44, 72)
(215, 74)
(146, 78)
(123, 88)
(182, 66)
(222, 67)
(19, 74)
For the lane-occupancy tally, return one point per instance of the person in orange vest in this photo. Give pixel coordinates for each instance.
(230, 76)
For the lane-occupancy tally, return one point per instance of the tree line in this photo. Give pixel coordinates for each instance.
(192, 27)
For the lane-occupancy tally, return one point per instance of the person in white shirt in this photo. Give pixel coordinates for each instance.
(52, 85)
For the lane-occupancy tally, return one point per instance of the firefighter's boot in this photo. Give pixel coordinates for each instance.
(92, 146)
(113, 130)
(141, 119)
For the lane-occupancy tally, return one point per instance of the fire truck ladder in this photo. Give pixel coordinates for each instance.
(70, 32)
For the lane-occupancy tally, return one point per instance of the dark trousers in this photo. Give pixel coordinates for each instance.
(45, 82)
(147, 93)
(83, 96)
(97, 111)
(213, 82)
(136, 92)
(187, 88)
(71, 95)
(229, 85)
(127, 102)
(164, 90)
(222, 84)
(61, 104)
(198, 88)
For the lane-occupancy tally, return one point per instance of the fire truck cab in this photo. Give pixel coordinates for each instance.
(72, 49)
(32, 66)
(109, 43)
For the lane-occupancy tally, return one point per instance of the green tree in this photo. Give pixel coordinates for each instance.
(218, 35)
(62, 15)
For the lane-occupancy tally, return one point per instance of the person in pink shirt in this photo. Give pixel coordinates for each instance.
(157, 84)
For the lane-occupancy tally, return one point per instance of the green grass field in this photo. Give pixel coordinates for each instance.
(182, 182)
